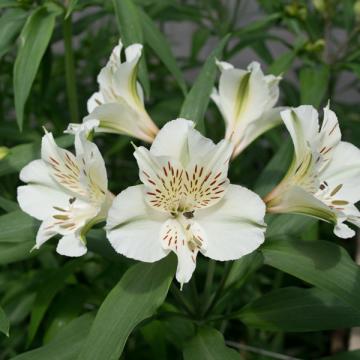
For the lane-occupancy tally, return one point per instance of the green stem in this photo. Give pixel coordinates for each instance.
(209, 278)
(70, 71)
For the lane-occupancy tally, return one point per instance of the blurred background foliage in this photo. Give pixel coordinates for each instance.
(50, 55)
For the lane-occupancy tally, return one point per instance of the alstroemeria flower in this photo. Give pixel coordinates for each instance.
(67, 193)
(119, 103)
(246, 100)
(186, 204)
(323, 179)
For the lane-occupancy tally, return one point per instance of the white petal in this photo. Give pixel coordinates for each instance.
(94, 101)
(173, 236)
(344, 168)
(171, 140)
(343, 231)
(120, 118)
(39, 201)
(267, 121)
(303, 126)
(235, 226)
(133, 228)
(330, 134)
(71, 245)
(37, 172)
(86, 127)
(93, 172)
(45, 232)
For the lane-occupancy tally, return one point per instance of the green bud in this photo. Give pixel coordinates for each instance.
(320, 5)
(316, 46)
(357, 10)
(3, 152)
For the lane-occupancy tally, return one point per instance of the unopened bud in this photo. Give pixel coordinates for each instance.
(3, 152)
(357, 10)
(319, 5)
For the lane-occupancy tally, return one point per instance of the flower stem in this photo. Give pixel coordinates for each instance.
(70, 71)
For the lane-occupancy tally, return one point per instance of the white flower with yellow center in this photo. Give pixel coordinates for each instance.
(323, 179)
(119, 103)
(67, 193)
(246, 100)
(186, 204)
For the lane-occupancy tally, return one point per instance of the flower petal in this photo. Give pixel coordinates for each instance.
(171, 140)
(39, 201)
(133, 228)
(180, 239)
(71, 245)
(344, 169)
(267, 121)
(120, 118)
(235, 226)
(303, 126)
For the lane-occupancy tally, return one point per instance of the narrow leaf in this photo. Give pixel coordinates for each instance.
(34, 38)
(13, 252)
(17, 227)
(131, 32)
(197, 100)
(70, 8)
(320, 263)
(66, 345)
(295, 309)
(4, 323)
(138, 294)
(52, 284)
(158, 42)
(8, 205)
(313, 92)
(208, 344)
(11, 23)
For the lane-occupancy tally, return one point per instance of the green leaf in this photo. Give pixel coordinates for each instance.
(21, 155)
(8, 205)
(34, 38)
(137, 295)
(208, 344)
(9, 3)
(158, 42)
(312, 92)
(13, 252)
(295, 309)
(282, 226)
(17, 227)
(70, 8)
(131, 32)
(282, 63)
(51, 285)
(197, 100)
(275, 169)
(320, 263)
(11, 23)
(4, 323)
(66, 345)
(348, 355)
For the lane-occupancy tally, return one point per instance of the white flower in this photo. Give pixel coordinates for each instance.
(67, 193)
(323, 179)
(246, 100)
(186, 204)
(119, 104)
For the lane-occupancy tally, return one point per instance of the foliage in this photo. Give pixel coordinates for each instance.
(287, 297)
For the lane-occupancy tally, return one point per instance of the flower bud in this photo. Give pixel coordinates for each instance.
(3, 152)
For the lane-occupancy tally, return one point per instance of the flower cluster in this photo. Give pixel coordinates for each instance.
(186, 203)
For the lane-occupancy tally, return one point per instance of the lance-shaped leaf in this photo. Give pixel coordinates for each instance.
(131, 32)
(209, 344)
(35, 37)
(320, 263)
(10, 24)
(197, 100)
(4, 323)
(66, 345)
(158, 42)
(137, 295)
(295, 309)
